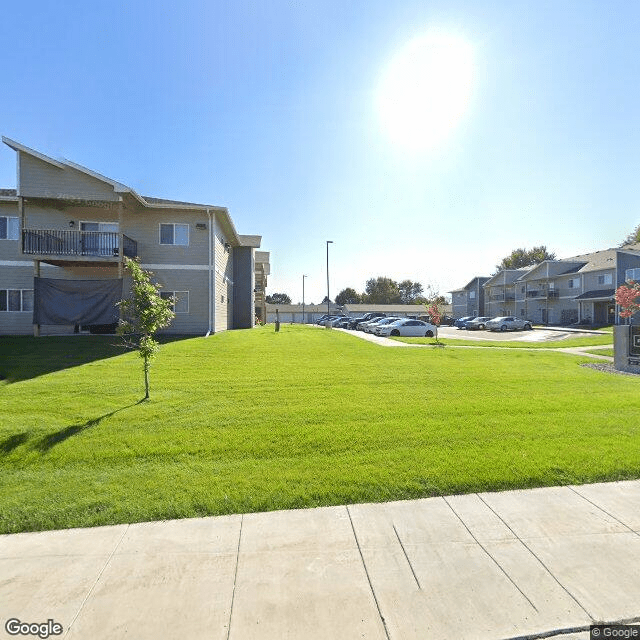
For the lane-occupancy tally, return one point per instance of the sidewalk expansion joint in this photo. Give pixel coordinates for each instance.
(597, 506)
(407, 557)
(93, 586)
(464, 524)
(364, 564)
(530, 550)
(235, 577)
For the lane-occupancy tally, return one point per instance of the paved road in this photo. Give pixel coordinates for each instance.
(518, 564)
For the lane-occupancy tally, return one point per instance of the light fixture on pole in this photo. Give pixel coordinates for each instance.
(303, 320)
(328, 309)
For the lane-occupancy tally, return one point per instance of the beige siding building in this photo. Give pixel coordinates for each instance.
(64, 222)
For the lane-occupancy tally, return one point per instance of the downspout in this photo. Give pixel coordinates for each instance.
(211, 292)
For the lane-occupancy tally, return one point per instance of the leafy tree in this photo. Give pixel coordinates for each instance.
(436, 317)
(520, 258)
(382, 291)
(142, 315)
(348, 296)
(633, 237)
(410, 292)
(278, 298)
(627, 297)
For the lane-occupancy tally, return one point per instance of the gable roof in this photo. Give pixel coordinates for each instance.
(145, 201)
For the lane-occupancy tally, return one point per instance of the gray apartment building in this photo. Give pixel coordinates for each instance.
(64, 233)
(579, 289)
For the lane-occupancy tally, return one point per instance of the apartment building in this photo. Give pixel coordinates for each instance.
(579, 289)
(64, 233)
(470, 299)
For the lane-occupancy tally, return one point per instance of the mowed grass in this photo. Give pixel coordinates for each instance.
(256, 420)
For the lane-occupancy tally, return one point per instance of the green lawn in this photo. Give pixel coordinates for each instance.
(257, 420)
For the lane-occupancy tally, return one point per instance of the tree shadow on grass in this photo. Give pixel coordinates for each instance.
(13, 442)
(25, 357)
(46, 443)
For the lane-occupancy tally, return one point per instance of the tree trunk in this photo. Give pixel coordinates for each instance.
(146, 378)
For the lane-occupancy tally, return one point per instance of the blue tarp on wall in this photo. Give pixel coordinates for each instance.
(82, 302)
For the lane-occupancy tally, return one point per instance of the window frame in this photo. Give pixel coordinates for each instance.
(6, 293)
(176, 295)
(174, 225)
(17, 228)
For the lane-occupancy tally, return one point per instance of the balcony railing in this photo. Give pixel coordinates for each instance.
(503, 297)
(60, 242)
(543, 293)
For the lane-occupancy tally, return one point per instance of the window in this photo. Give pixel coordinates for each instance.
(574, 283)
(16, 299)
(632, 274)
(174, 233)
(180, 300)
(472, 295)
(605, 279)
(8, 228)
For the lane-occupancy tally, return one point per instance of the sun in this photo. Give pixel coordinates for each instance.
(425, 89)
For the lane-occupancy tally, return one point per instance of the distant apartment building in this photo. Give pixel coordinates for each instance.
(580, 289)
(470, 299)
(64, 233)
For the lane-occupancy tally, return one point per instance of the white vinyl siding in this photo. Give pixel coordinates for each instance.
(574, 283)
(9, 228)
(174, 233)
(16, 300)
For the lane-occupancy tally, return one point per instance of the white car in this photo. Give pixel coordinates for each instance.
(383, 322)
(368, 327)
(409, 328)
(508, 323)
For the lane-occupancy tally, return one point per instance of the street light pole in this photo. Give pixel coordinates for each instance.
(303, 277)
(328, 309)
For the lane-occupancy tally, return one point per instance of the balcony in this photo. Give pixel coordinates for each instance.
(83, 246)
(543, 293)
(503, 297)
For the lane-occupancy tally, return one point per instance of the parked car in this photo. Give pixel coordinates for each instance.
(341, 322)
(508, 323)
(365, 318)
(446, 321)
(383, 322)
(368, 327)
(477, 323)
(461, 323)
(409, 328)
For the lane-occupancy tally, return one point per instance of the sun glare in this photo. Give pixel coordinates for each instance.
(425, 90)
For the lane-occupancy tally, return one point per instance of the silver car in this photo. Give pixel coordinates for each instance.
(508, 323)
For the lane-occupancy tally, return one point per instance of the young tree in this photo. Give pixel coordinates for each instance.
(142, 315)
(435, 316)
(627, 297)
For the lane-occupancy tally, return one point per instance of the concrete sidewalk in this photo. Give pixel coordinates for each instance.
(535, 563)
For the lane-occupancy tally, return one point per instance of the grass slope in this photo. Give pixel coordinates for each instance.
(257, 420)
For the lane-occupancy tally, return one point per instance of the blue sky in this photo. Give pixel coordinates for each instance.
(272, 110)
